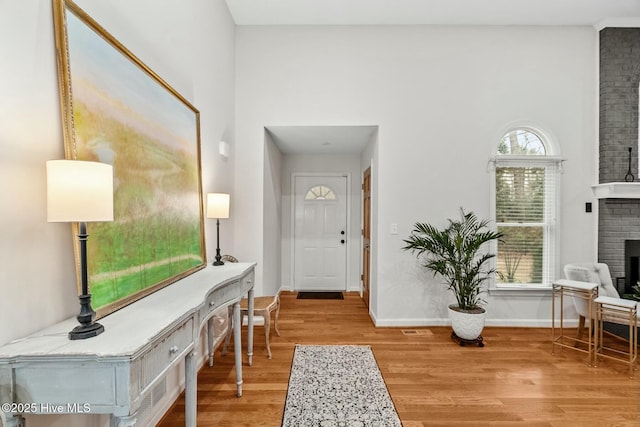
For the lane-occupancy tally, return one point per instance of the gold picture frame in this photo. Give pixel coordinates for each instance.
(116, 110)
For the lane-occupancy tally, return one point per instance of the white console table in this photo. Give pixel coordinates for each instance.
(113, 373)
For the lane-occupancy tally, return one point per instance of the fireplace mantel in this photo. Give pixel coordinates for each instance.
(617, 190)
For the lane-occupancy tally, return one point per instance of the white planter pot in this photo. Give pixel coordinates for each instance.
(467, 325)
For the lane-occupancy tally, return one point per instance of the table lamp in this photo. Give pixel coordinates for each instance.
(218, 207)
(80, 191)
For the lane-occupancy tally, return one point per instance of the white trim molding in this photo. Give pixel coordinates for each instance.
(617, 190)
(629, 22)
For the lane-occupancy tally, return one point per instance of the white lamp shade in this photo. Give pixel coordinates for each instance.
(217, 205)
(79, 191)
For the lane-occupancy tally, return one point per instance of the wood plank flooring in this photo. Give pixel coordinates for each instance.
(513, 381)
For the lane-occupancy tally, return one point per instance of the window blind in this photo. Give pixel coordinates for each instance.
(525, 208)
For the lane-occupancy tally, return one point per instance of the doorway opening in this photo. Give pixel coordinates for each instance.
(295, 226)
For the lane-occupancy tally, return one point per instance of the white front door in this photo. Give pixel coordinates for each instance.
(320, 233)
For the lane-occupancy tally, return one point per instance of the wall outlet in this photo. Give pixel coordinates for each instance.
(394, 228)
(588, 207)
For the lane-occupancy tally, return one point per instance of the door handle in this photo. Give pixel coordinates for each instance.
(342, 241)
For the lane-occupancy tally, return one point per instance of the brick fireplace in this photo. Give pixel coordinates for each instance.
(619, 213)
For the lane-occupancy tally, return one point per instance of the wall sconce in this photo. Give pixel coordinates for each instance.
(79, 191)
(218, 207)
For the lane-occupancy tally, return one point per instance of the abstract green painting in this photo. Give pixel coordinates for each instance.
(118, 111)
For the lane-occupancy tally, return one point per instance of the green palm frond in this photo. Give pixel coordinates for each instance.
(455, 253)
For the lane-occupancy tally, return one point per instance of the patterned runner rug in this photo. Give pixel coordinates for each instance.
(336, 386)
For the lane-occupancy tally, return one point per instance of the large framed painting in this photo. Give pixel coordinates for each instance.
(116, 110)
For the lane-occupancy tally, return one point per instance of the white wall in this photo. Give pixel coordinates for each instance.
(273, 208)
(440, 96)
(348, 164)
(369, 159)
(190, 44)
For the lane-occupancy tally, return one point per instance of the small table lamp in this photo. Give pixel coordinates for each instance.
(79, 191)
(218, 207)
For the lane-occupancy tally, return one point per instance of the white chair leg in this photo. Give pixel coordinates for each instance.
(267, 328)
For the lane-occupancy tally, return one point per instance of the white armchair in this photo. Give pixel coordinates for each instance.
(593, 273)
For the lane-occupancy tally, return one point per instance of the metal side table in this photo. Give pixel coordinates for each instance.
(622, 311)
(582, 290)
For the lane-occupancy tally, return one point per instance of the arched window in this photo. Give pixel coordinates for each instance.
(521, 142)
(320, 192)
(525, 189)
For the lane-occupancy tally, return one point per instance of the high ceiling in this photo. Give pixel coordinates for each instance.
(352, 139)
(433, 12)
(322, 139)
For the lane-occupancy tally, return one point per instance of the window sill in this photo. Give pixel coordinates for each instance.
(521, 291)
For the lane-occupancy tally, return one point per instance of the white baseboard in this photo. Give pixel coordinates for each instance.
(400, 323)
(349, 289)
(519, 323)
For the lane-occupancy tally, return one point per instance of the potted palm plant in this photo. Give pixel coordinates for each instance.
(456, 254)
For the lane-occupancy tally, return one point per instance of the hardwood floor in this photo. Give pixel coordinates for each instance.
(513, 380)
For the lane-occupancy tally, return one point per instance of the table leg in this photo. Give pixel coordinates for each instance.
(129, 421)
(190, 390)
(237, 345)
(250, 308)
(12, 420)
(553, 320)
(210, 340)
(593, 320)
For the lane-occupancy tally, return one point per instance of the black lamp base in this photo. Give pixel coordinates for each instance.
(218, 260)
(87, 327)
(82, 332)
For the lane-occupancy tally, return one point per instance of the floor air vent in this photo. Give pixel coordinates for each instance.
(411, 332)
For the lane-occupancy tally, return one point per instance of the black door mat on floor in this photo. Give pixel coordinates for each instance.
(320, 295)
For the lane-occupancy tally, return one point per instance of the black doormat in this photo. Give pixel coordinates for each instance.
(320, 295)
